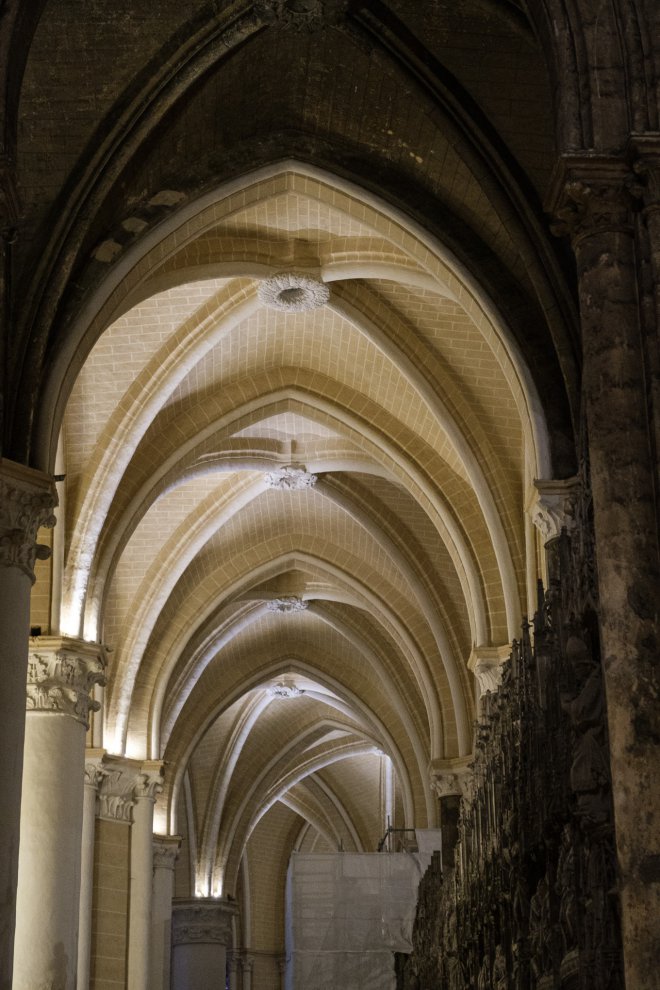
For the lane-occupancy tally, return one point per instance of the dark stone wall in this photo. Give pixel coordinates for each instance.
(531, 901)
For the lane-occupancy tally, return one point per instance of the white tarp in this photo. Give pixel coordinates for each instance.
(346, 914)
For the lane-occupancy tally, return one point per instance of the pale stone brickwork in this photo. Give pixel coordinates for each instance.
(275, 833)
(111, 905)
(265, 642)
(221, 562)
(365, 796)
(40, 600)
(402, 399)
(114, 363)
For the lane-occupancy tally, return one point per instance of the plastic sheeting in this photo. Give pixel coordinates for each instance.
(347, 913)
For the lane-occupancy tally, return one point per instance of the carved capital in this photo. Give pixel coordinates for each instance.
(166, 851)
(293, 477)
(27, 500)
(289, 603)
(450, 777)
(644, 152)
(117, 794)
(591, 194)
(204, 919)
(149, 782)
(486, 662)
(123, 783)
(61, 675)
(94, 770)
(552, 507)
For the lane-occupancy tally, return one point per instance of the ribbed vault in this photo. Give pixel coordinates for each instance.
(294, 528)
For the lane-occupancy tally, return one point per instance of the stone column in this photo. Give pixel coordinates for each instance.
(281, 962)
(139, 939)
(61, 673)
(27, 499)
(593, 205)
(201, 933)
(644, 151)
(232, 969)
(248, 967)
(111, 896)
(93, 775)
(165, 853)
(448, 780)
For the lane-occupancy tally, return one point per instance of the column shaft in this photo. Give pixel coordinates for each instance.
(92, 772)
(140, 897)
(60, 676)
(627, 556)
(201, 933)
(14, 628)
(49, 860)
(596, 211)
(26, 501)
(248, 966)
(232, 970)
(165, 851)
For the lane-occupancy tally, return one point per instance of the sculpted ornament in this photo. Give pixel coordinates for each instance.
(485, 662)
(446, 785)
(290, 603)
(25, 507)
(293, 292)
(553, 507)
(590, 208)
(149, 782)
(589, 771)
(591, 194)
(291, 478)
(116, 796)
(450, 778)
(540, 928)
(60, 680)
(166, 851)
(645, 150)
(202, 922)
(124, 783)
(527, 900)
(285, 690)
(94, 773)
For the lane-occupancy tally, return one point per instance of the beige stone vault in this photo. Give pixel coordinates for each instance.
(319, 321)
(291, 515)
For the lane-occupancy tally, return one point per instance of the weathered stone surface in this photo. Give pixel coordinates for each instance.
(530, 899)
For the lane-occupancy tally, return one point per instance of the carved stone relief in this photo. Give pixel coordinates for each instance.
(202, 921)
(60, 678)
(26, 505)
(529, 902)
(291, 478)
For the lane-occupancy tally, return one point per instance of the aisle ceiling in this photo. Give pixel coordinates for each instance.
(292, 526)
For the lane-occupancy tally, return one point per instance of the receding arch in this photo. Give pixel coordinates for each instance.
(133, 268)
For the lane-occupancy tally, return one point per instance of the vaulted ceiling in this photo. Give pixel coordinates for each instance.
(303, 346)
(296, 472)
